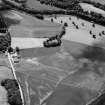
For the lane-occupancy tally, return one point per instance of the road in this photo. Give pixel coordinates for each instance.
(14, 74)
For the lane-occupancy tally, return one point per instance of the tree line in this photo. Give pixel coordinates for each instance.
(71, 8)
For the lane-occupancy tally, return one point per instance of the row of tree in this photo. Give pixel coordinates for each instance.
(71, 9)
(69, 4)
(60, 3)
(5, 37)
(91, 17)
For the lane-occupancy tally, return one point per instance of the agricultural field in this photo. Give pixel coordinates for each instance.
(71, 74)
(89, 8)
(69, 95)
(38, 81)
(5, 72)
(37, 52)
(71, 67)
(27, 28)
(43, 74)
(80, 31)
(23, 25)
(97, 1)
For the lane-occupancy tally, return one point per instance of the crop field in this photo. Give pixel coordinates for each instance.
(38, 52)
(69, 95)
(39, 80)
(70, 61)
(42, 78)
(46, 72)
(3, 96)
(5, 72)
(43, 70)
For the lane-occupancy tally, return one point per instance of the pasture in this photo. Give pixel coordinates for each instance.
(81, 31)
(24, 25)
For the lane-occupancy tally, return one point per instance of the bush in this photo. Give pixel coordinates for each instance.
(14, 97)
(93, 25)
(52, 20)
(40, 17)
(65, 24)
(13, 92)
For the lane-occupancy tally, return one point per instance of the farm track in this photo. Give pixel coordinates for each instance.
(15, 77)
